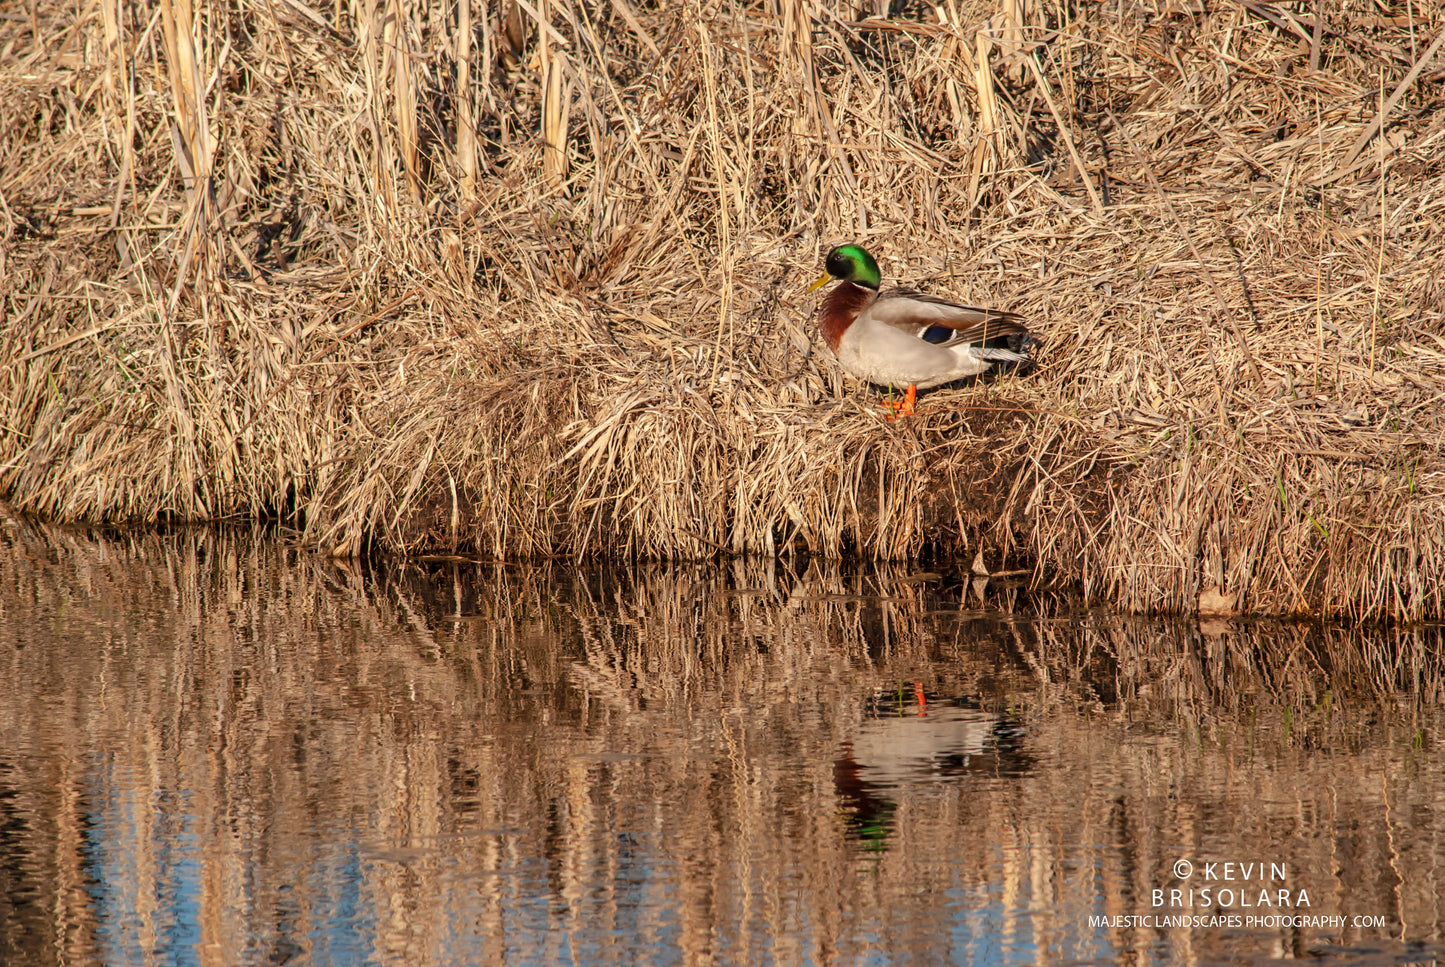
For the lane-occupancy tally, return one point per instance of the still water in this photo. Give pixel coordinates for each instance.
(218, 749)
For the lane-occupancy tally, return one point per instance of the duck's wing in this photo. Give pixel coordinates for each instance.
(923, 315)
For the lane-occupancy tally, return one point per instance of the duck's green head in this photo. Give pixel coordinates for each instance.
(850, 263)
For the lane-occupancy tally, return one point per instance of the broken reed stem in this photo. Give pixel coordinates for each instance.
(1011, 22)
(398, 46)
(984, 149)
(466, 123)
(554, 103)
(190, 134)
(111, 16)
(724, 250)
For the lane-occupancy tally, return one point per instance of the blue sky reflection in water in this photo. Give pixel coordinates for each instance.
(221, 750)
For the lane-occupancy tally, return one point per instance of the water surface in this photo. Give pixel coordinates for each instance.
(216, 748)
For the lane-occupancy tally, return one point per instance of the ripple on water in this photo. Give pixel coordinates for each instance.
(215, 749)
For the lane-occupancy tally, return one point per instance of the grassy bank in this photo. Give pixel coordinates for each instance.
(528, 280)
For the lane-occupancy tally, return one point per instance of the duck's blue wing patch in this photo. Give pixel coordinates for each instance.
(937, 334)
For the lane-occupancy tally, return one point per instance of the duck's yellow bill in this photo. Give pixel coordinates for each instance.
(821, 282)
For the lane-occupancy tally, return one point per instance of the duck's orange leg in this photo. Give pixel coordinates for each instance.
(902, 409)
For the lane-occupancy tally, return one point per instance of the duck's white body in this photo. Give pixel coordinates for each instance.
(881, 352)
(906, 338)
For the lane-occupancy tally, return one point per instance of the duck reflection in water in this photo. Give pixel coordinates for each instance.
(908, 737)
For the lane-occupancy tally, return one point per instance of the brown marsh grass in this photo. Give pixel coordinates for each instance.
(522, 280)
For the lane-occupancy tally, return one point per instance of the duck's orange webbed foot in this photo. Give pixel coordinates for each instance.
(905, 408)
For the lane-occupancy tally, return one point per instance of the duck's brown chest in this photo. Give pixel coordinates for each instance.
(845, 300)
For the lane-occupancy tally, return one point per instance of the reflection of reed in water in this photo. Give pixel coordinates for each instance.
(272, 753)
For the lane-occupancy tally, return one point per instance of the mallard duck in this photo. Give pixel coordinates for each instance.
(905, 338)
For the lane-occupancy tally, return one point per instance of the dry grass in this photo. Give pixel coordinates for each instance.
(526, 292)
